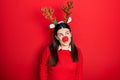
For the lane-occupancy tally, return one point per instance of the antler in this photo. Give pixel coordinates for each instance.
(67, 10)
(48, 12)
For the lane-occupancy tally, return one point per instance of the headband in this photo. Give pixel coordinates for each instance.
(67, 9)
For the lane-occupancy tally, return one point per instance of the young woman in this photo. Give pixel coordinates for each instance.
(61, 60)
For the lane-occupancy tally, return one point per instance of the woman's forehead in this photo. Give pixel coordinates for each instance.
(62, 30)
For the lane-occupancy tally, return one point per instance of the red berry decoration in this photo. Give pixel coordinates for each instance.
(65, 39)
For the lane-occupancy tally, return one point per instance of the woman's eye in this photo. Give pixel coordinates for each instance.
(60, 35)
(67, 33)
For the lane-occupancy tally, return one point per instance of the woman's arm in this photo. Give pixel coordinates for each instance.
(79, 72)
(43, 64)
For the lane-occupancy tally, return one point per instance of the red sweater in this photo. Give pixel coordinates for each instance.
(65, 69)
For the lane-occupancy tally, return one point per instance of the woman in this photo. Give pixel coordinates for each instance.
(62, 60)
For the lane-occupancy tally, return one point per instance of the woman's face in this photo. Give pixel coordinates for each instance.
(64, 36)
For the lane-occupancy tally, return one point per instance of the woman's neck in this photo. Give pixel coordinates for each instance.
(64, 46)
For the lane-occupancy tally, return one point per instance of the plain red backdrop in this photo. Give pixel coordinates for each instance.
(25, 33)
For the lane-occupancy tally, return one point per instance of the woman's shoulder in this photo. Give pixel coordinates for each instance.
(78, 48)
(46, 51)
(80, 52)
(46, 48)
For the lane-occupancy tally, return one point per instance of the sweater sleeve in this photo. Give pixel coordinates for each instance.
(79, 72)
(43, 64)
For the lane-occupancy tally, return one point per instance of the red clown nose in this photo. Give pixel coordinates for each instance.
(65, 39)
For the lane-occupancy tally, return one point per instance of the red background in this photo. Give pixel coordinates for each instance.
(25, 34)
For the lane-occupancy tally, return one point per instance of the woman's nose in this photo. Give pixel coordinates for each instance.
(65, 38)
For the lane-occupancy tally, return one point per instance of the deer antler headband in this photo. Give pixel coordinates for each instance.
(48, 13)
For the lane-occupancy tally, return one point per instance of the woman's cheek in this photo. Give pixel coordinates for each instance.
(61, 40)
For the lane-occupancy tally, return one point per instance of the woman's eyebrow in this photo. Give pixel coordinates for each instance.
(59, 33)
(62, 33)
(67, 31)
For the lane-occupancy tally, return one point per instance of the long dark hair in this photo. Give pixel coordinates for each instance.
(54, 46)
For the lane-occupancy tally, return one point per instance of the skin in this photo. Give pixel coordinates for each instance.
(60, 34)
